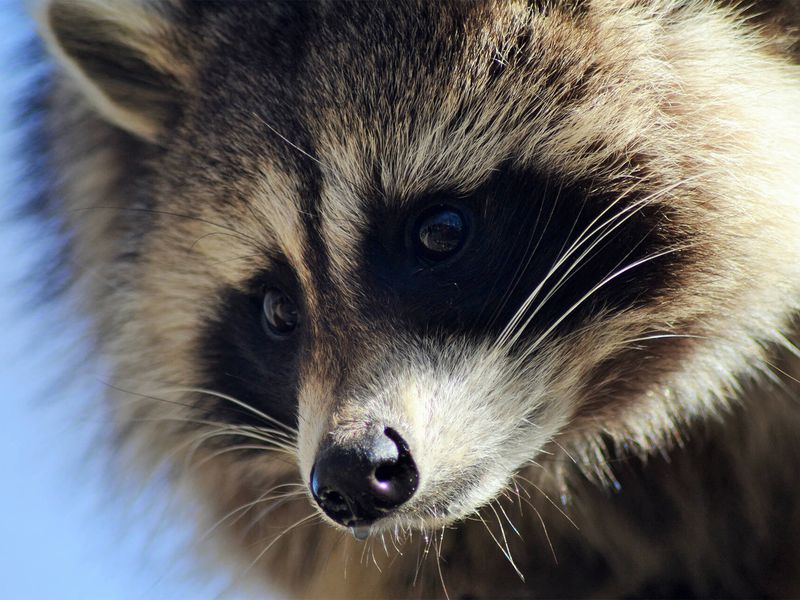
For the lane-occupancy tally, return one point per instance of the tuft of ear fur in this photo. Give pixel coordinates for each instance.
(124, 54)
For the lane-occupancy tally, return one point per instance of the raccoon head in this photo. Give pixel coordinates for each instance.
(418, 246)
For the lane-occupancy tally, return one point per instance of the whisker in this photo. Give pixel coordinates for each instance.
(500, 546)
(549, 499)
(363, 552)
(532, 348)
(199, 440)
(546, 534)
(661, 336)
(419, 563)
(425, 545)
(541, 520)
(568, 273)
(244, 508)
(374, 560)
(601, 231)
(261, 432)
(579, 263)
(502, 510)
(235, 448)
(505, 539)
(289, 437)
(278, 537)
(564, 450)
(439, 565)
(289, 142)
(585, 235)
(235, 401)
(781, 371)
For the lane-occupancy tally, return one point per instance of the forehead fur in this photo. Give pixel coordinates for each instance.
(536, 84)
(486, 82)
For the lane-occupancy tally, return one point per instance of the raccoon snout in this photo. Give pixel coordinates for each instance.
(369, 478)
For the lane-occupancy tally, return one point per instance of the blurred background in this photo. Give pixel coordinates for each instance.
(63, 532)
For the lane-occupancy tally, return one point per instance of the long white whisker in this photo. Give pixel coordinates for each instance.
(265, 497)
(661, 336)
(278, 537)
(505, 539)
(532, 348)
(235, 401)
(549, 499)
(264, 432)
(289, 435)
(513, 527)
(500, 546)
(574, 266)
(585, 235)
(439, 565)
(235, 448)
(198, 440)
(589, 231)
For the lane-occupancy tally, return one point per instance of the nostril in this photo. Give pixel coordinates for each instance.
(333, 500)
(402, 446)
(386, 472)
(397, 468)
(395, 481)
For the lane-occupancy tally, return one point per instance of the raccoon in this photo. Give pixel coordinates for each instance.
(505, 289)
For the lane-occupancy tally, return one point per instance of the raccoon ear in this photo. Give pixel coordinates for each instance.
(125, 55)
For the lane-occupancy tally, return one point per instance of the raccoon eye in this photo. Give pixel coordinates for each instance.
(440, 233)
(280, 313)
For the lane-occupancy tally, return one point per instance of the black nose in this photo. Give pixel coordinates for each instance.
(366, 480)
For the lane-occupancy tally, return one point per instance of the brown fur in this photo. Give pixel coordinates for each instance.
(185, 157)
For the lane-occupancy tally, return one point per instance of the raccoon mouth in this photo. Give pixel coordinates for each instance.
(365, 480)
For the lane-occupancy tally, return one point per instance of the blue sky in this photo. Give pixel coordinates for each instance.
(62, 533)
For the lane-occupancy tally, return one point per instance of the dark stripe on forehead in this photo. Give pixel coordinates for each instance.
(321, 295)
(315, 253)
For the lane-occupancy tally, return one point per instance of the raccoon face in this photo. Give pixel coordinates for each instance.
(422, 245)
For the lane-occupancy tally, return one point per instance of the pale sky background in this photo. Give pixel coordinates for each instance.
(62, 534)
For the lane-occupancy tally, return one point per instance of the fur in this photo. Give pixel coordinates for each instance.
(600, 394)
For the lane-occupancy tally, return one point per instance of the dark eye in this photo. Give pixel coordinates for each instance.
(280, 313)
(440, 233)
